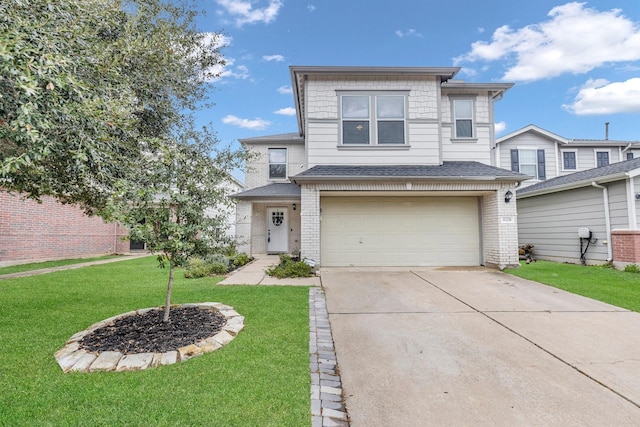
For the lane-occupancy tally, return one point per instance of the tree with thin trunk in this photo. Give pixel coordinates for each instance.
(97, 102)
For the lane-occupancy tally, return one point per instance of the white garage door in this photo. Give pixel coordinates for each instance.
(400, 231)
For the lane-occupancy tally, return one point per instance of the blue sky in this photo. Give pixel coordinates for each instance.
(575, 65)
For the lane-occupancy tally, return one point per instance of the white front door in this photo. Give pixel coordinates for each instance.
(277, 226)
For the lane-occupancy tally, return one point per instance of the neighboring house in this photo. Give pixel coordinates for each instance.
(32, 231)
(544, 155)
(600, 202)
(391, 166)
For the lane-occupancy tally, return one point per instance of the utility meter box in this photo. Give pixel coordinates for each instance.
(584, 233)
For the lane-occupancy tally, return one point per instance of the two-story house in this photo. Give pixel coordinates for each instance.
(391, 166)
(544, 155)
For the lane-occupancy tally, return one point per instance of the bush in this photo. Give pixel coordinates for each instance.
(632, 268)
(196, 268)
(218, 268)
(289, 268)
(217, 258)
(238, 260)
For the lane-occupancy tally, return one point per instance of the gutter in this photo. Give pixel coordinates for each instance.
(570, 185)
(312, 179)
(607, 218)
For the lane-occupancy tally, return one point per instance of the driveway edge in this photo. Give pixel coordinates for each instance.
(327, 400)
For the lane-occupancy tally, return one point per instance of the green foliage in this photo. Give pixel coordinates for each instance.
(218, 268)
(632, 268)
(604, 284)
(89, 87)
(262, 376)
(238, 260)
(196, 268)
(289, 268)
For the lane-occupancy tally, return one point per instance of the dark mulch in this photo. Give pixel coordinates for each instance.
(147, 333)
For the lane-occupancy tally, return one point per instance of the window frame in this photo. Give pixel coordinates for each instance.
(270, 163)
(534, 164)
(455, 118)
(629, 155)
(373, 120)
(575, 159)
(595, 156)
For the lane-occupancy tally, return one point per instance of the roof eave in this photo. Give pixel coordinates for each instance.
(334, 178)
(577, 184)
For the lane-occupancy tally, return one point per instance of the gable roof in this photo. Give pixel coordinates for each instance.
(612, 172)
(300, 73)
(448, 171)
(534, 129)
(284, 190)
(566, 141)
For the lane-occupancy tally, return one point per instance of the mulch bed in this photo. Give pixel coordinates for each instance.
(147, 333)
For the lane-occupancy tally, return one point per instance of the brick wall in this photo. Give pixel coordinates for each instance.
(626, 246)
(31, 231)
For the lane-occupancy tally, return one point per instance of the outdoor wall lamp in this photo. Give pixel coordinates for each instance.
(294, 206)
(507, 196)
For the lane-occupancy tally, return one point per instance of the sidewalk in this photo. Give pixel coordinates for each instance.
(254, 274)
(70, 266)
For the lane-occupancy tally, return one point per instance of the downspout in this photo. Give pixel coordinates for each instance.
(607, 218)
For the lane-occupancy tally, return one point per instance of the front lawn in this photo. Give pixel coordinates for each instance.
(260, 379)
(50, 264)
(615, 287)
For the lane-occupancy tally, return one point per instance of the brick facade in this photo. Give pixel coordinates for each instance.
(626, 246)
(32, 231)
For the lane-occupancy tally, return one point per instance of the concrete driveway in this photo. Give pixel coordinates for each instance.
(455, 347)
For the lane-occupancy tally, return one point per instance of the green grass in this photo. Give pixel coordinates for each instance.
(615, 287)
(260, 379)
(50, 264)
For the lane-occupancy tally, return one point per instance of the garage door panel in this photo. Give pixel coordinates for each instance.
(400, 231)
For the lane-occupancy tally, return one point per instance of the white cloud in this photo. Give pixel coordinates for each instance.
(602, 97)
(277, 58)
(255, 124)
(285, 90)
(499, 127)
(311, 8)
(409, 33)
(240, 72)
(289, 111)
(244, 12)
(575, 39)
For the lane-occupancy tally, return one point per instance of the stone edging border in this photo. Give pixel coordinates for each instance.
(72, 358)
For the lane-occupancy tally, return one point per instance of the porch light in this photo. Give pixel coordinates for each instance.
(507, 196)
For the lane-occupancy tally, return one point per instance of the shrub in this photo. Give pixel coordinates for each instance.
(217, 258)
(632, 268)
(196, 268)
(218, 268)
(289, 268)
(238, 260)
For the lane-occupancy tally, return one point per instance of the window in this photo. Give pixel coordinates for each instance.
(463, 118)
(569, 160)
(373, 119)
(602, 158)
(529, 162)
(629, 155)
(277, 163)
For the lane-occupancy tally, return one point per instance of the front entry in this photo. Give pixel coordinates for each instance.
(277, 226)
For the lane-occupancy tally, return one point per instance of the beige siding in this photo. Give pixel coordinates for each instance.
(529, 140)
(478, 150)
(618, 208)
(551, 223)
(257, 173)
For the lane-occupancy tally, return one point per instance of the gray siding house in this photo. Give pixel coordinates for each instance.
(544, 155)
(601, 200)
(390, 166)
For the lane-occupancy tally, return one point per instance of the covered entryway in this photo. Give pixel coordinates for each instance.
(400, 231)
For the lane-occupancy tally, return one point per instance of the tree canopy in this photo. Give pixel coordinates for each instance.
(89, 87)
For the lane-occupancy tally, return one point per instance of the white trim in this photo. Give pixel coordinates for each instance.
(600, 150)
(574, 151)
(454, 128)
(631, 204)
(286, 164)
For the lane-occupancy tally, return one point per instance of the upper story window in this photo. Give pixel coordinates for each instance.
(277, 163)
(463, 118)
(602, 158)
(569, 160)
(629, 155)
(529, 162)
(373, 119)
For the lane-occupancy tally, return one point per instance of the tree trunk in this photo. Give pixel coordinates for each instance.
(167, 306)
